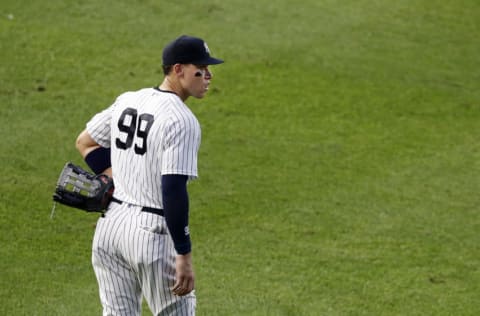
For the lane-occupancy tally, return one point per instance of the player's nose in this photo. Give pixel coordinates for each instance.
(208, 74)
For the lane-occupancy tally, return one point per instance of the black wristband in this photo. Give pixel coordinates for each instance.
(99, 159)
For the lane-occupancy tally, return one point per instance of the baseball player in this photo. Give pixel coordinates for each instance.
(148, 141)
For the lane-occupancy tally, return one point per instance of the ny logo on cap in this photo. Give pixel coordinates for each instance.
(206, 47)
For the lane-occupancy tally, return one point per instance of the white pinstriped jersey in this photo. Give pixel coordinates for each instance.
(150, 133)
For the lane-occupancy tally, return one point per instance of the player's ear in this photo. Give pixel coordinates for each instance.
(178, 69)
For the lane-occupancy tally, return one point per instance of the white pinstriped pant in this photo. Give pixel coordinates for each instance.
(133, 254)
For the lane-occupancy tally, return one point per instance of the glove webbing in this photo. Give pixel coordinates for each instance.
(78, 182)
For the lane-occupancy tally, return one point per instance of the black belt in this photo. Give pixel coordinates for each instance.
(145, 209)
(153, 210)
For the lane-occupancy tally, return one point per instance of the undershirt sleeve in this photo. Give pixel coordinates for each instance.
(175, 208)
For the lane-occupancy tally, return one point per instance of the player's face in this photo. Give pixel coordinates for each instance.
(196, 80)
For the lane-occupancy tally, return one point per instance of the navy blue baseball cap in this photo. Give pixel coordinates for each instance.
(188, 50)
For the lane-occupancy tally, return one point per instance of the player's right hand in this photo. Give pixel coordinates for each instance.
(184, 277)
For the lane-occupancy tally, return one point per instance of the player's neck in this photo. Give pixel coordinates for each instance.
(173, 86)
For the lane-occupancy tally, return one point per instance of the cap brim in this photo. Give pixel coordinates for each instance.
(210, 61)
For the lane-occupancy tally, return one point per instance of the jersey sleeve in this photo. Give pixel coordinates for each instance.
(180, 147)
(99, 127)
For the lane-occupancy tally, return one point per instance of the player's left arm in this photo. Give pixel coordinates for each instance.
(179, 163)
(175, 206)
(96, 156)
(176, 209)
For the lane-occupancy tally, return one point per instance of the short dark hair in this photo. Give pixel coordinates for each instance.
(167, 69)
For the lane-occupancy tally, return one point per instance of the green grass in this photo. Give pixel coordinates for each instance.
(339, 163)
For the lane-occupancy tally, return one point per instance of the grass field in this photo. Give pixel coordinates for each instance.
(340, 159)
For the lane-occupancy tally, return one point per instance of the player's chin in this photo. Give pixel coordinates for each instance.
(201, 94)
